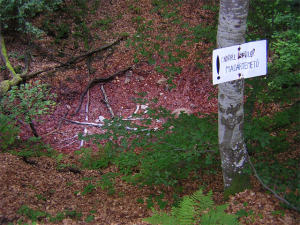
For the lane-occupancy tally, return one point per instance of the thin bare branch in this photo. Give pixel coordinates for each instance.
(269, 189)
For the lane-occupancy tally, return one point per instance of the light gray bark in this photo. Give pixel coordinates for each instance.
(231, 31)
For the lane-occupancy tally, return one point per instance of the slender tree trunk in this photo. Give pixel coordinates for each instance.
(16, 79)
(231, 31)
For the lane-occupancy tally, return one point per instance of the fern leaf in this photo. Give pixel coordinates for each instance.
(202, 202)
(191, 211)
(186, 212)
(217, 216)
(161, 218)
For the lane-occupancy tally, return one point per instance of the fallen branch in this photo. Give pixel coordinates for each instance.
(107, 102)
(84, 123)
(269, 189)
(59, 124)
(17, 78)
(74, 59)
(75, 136)
(70, 169)
(97, 80)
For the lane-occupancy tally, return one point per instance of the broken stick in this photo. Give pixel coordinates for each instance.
(97, 80)
(107, 102)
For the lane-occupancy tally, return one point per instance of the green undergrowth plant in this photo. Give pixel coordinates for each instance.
(16, 14)
(94, 160)
(153, 49)
(194, 209)
(37, 217)
(269, 132)
(181, 146)
(23, 105)
(107, 182)
(103, 23)
(33, 147)
(152, 199)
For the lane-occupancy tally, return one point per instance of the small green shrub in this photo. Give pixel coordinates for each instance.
(94, 160)
(26, 104)
(104, 23)
(89, 188)
(165, 153)
(107, 182)
(268, 134)
(31, 214)
(15, 13)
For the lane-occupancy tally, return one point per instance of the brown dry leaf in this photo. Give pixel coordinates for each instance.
(162, 81)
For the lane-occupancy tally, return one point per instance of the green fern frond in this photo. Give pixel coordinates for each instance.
(219, 217)
(162, 218)
(202, 202)
(196, 208)
(186, 212)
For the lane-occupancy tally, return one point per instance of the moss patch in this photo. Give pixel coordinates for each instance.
(4, 87)
(240, 182)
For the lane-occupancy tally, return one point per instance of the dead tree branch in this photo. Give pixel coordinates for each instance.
(269, 189)
(107, 102)
(72, 60)
(59, 124)
(17, 78)
(84, 123)
(97, 80)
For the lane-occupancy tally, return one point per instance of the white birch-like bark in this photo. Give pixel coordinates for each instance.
(231, 31)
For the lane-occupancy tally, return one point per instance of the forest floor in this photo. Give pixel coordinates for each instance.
(39, 184)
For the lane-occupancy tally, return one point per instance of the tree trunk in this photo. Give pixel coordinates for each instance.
(231, 31)
(16, 79)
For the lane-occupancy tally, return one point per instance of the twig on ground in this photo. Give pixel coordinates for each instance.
(85, 123)
(69, 138)
(269, 189)
(107, 102)
(97, 80)
(69, 144)
(88, 101)
(59, 124)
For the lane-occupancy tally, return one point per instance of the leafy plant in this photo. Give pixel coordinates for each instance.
(89, 188)
(107, 182)
(243, 212)
(26, 104)
(94, 160)
(89, 218)
(33, 147)
(65, 214)
(196, 208)
(165, 152)
(8, 132)
(267, 134)
(103, 23)
(151, 201)
(15, 13)
(41, 197)
(63, 31)
(31, 214)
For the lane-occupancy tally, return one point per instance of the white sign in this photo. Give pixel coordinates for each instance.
(240, 61)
